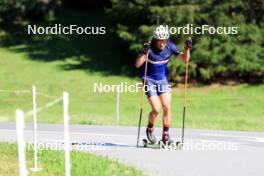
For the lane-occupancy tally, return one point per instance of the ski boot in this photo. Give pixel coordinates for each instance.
(150, 135)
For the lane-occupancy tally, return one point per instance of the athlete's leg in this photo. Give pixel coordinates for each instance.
(154, 102)
(155, 105)
(151, 92)
(165, 99)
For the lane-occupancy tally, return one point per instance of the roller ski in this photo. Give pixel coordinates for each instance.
(165, 142)
(151, 139)
(168, 143)
(161, 145)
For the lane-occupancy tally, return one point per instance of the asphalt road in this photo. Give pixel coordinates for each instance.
(205, 152)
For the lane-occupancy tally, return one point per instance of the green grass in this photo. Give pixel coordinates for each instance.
(74, 64)
(52, 163)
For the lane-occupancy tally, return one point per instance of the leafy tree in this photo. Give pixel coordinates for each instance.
(237, 56)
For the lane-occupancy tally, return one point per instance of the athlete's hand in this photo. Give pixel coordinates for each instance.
(146, 46)
(188, 43)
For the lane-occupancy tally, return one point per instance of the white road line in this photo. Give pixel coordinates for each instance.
(75, 133)
(257, 139)
(245, 138)
(219, 141)
(226, 135)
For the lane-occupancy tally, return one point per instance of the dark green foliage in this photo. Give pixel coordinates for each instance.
(239, 56)
(12, 10)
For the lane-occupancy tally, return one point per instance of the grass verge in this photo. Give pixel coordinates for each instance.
(52, 164)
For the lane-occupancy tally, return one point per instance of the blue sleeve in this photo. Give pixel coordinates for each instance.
(173, 48)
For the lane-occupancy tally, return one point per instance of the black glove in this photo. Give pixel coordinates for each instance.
(146, 46)
(188, 43)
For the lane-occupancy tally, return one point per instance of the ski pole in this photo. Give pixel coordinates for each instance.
(185, 90)
(142, 97)
(185, 97)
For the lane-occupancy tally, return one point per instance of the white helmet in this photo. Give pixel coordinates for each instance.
(161, 33)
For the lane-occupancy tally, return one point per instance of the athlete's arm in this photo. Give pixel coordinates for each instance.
(140, 60)
(186, 55)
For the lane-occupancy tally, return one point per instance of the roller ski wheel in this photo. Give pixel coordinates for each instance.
(146, 144)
